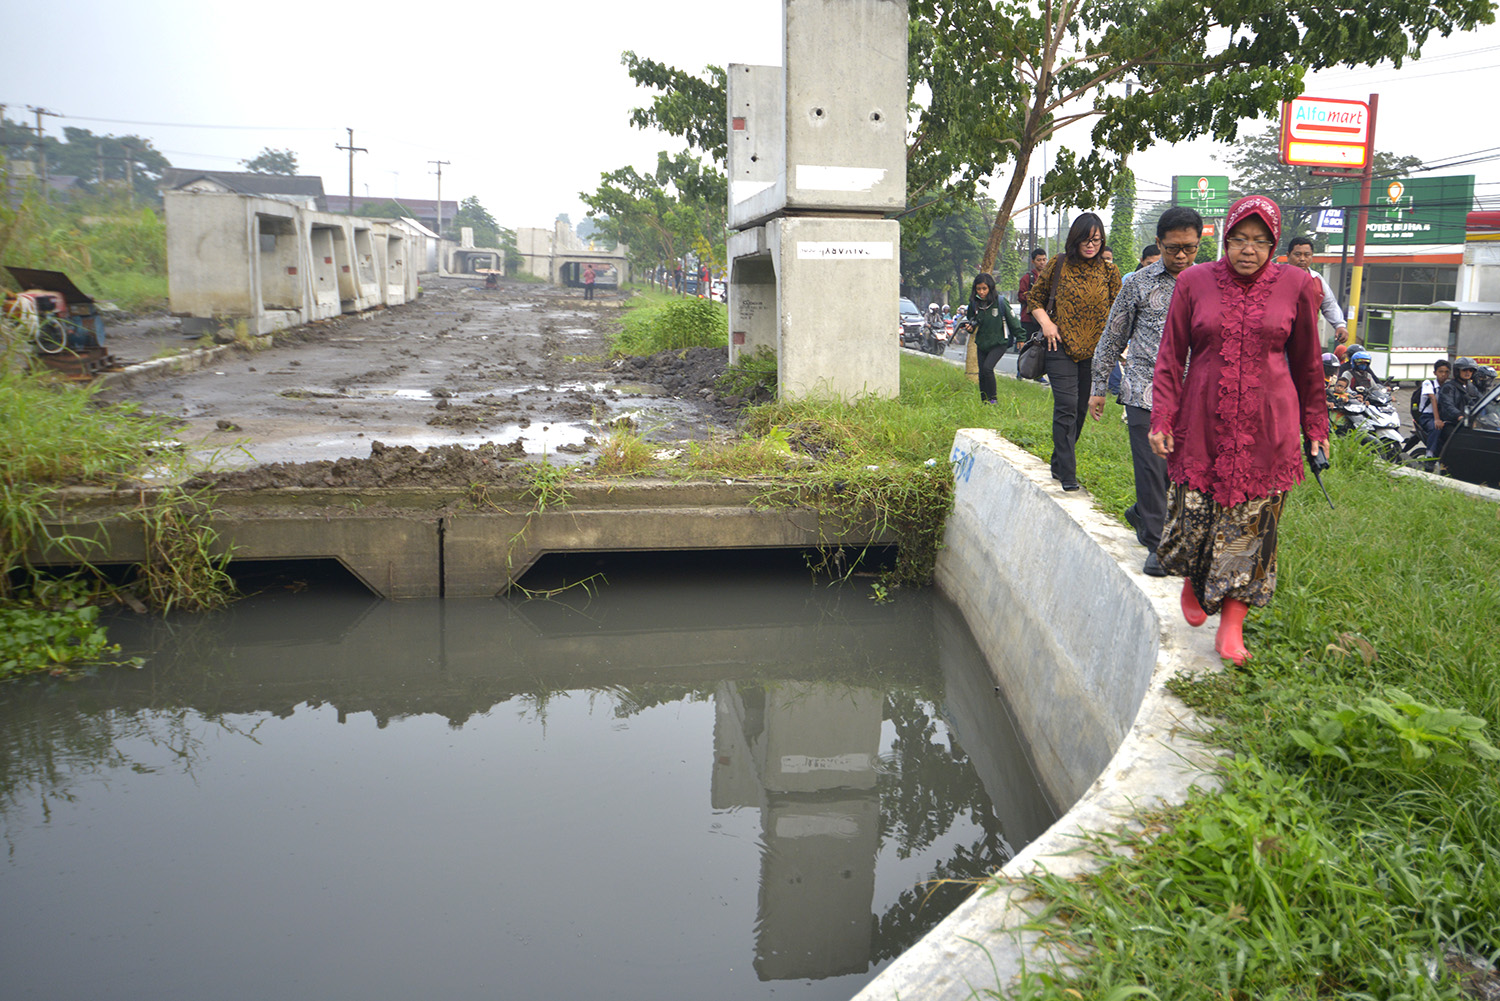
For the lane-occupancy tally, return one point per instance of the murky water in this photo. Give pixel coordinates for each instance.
(721, 781)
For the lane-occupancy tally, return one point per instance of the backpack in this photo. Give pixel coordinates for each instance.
(1416, 403)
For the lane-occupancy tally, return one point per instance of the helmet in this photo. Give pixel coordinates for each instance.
(1330, 362)
(932, 307)
(1340, 351)
(1360, 355)
(1464, 363)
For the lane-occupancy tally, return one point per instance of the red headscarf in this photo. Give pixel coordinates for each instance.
(1267, 212)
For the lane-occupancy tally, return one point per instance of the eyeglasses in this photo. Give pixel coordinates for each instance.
(1241, 242)
(1177, 249)
(1092, 239)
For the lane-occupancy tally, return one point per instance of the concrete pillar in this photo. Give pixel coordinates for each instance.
(816, 164)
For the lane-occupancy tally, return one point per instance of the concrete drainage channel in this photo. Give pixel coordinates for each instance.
(1083, 660)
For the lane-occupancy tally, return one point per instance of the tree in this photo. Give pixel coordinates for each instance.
(654, 214)
(272, 161)
(474, 215)
(1258, 169)
(1145, 71)
(1122, 221)
(946, 255)
(96, 160)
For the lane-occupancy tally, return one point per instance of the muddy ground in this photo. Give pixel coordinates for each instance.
(448, 389)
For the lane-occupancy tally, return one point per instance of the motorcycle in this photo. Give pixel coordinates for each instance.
(1369, 413)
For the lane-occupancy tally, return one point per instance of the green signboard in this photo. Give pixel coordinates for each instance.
(1207, 193)
(1409, 210)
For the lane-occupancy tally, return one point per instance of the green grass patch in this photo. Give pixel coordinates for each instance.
(56, 434)
(658, 321)
(109, 248)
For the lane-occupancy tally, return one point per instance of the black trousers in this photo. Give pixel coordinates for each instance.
(1150, 476)
(988, 359)
(1070, 381)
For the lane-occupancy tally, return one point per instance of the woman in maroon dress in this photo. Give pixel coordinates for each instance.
(1244, 329)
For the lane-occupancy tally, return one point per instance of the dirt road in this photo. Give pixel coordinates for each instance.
(523, 367)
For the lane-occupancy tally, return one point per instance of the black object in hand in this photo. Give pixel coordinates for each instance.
(1319, 462)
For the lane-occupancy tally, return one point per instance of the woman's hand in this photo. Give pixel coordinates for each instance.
(1049, 331)
(1163, 443)
(1321, 446)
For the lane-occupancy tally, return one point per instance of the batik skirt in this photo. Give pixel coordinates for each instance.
(1226, 552)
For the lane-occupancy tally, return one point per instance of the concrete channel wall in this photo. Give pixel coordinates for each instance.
(426, 543)
(1081, 645)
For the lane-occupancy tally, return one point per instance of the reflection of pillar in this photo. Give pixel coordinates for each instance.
(817, 885)
(808, 754)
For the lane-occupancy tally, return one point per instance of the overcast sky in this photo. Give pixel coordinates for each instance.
(528, 101)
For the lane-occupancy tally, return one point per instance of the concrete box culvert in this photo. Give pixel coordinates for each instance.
(1081, 644)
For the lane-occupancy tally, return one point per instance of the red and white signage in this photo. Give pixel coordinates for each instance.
(1325, 132)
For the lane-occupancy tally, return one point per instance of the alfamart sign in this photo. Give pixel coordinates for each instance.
(1410, 210)
(1325, 132)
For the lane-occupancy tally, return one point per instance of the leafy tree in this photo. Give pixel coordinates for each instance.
(474, 215)
(654, 214)
(1122, 222)
(1257, 166)
(272, 161)
(95, 159)
(946, 255)
(1145, 71)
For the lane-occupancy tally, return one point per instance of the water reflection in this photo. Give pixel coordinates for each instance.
(845, 734)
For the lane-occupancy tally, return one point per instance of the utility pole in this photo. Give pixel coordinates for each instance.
(352, 150)
(1356, 287)
(41, 151)
(129, 173)
(440, 165)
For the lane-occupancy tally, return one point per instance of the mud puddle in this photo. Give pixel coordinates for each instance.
(520, 369)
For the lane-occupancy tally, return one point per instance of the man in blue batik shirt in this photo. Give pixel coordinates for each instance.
(1136, 321)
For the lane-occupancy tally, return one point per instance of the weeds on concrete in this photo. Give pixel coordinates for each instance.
(625, 452)
(181, 569)
(751, 374)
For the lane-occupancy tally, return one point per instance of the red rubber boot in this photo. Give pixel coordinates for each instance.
(1191, 610)
(1230, 641)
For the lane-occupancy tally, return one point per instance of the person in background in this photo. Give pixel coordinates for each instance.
(588, 281)
(995, 330)
(1455, 397)
(1299, 253)
(1231, 423)
(1427, 414)
(1038, 261)
(1150, 254)
(1071, 300)
(1108, 255)
(1359, 372)
(1136, 319)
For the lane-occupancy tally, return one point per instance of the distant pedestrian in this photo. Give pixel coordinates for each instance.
(1455, 397)
(994, 329)
(1150, 254)
(588, 281)
(1230, 423)
(1136, 320)
(1071, 300)
(1038, 261)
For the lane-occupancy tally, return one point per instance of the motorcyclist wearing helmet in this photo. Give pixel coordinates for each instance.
(1331, 366)
(1455, 398)
(1360, 374)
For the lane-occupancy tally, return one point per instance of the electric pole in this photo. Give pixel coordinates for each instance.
(352, 150)
(41, 151)
(440, 165)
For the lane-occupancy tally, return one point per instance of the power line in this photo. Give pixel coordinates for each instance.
(188, 125)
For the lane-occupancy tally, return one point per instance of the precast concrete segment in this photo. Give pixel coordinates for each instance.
(423, 543)
(1082, 644)
(837, 308)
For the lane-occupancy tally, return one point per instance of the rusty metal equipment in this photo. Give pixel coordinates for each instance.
(65, 325)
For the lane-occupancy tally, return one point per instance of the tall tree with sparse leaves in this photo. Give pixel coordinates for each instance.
(1144, 71)
(1122, 221)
